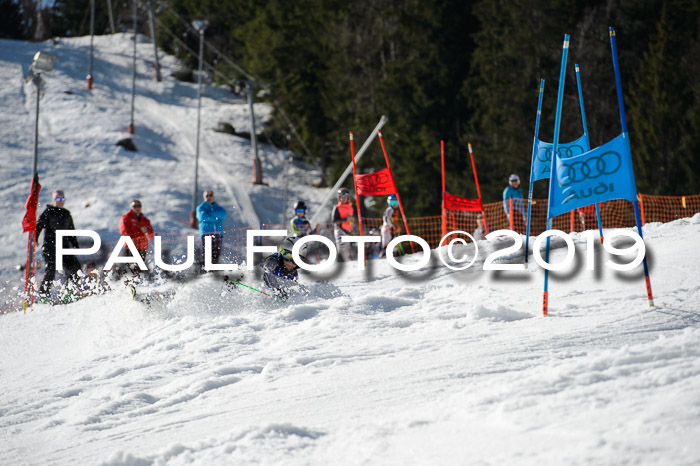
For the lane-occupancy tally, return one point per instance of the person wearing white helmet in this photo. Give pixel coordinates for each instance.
(280, 270)
(513, 192)
(390, 226)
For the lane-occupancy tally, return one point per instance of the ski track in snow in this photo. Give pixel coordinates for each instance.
(373, 367)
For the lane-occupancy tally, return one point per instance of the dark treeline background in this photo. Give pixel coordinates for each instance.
(448, 69)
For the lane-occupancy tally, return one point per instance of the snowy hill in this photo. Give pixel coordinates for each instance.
(373, 367)
(79, 129)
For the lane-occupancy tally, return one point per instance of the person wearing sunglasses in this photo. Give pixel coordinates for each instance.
(210, 216)
(299, 224)
(56, 217)
(279, 269)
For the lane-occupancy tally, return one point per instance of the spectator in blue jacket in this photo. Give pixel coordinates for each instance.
(513, 191)
(211, 216)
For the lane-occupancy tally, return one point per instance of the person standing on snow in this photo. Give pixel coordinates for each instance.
(513, 192)
(480, 232)
(299, 224)
(280, 269)
(587, 216)
(343, 218)
(136, 226)
(211, 216)
(55, 217)
(390, 226)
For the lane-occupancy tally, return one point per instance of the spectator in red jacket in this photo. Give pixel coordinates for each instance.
(135, 225)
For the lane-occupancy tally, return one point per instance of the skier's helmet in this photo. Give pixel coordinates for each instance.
(300, 206)
(286, 247)
(392, 200)
(343, 192)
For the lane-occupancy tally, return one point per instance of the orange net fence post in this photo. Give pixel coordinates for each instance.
(510, 217)
(571, 221)
(641, 208)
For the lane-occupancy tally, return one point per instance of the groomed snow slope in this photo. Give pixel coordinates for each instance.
(374, 367)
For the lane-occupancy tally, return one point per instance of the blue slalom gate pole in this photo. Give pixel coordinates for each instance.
(623, 120)
(532, 167)
(553, 171)
(585, 134)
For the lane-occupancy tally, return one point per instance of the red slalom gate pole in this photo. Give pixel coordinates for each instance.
(442, 165)
(398, 197)
(26, 270)
(354, 178)
(478, 189)
(33, 287)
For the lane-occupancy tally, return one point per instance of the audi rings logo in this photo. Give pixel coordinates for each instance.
(375, 179)
(594, 167)
(379, 182)
(544, 154)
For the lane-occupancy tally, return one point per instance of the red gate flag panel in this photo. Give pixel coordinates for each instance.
(375, 184)
(453, 202)
(29, 220)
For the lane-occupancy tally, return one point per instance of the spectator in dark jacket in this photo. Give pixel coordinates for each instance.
(55, 217)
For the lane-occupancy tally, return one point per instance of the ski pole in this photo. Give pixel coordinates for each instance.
(255, 289)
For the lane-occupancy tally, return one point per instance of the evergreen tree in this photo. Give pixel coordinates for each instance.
(12, 25)
(664, 104)
(456, 71)
(72, 18)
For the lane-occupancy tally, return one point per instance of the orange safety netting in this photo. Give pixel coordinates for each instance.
(667, 208)
(613, 214)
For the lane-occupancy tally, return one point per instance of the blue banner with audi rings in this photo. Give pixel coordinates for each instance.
(542, 155)
(602, 174)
